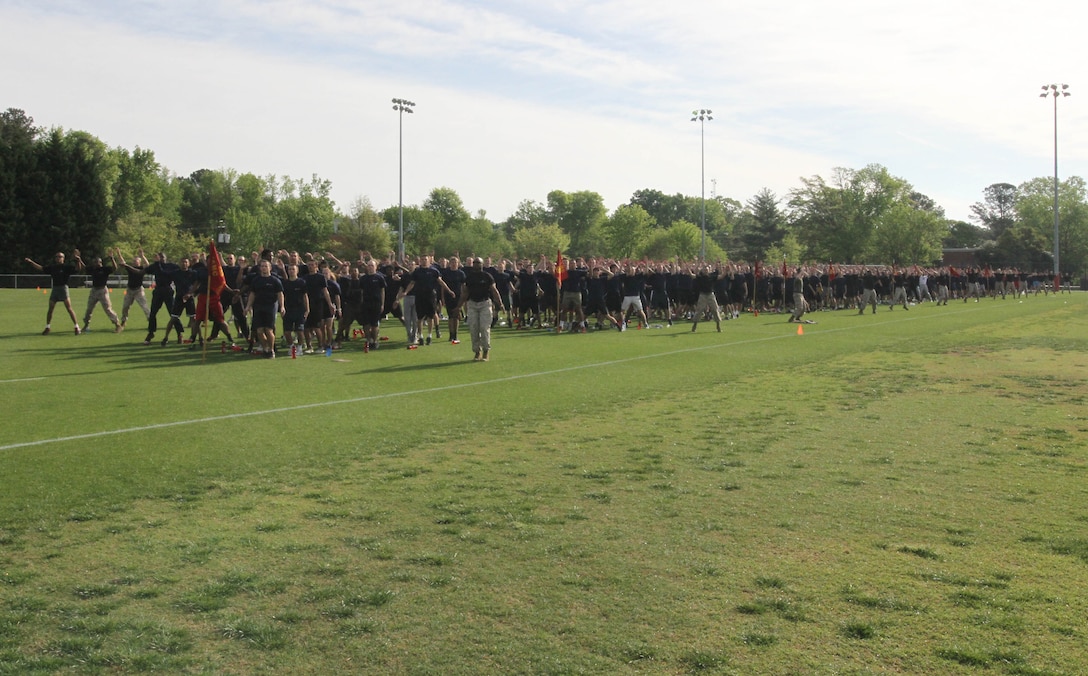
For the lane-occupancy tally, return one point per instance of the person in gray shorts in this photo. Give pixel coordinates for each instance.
(60, 272)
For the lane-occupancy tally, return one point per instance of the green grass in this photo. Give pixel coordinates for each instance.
(902, 493)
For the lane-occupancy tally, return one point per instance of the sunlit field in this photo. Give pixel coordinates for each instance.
(899, 492)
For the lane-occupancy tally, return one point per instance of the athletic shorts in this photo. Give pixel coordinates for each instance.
(425, 306)
(294, 321)
(59, 294)
(370, 315)
(214, 310)
(572, 300)
(631, 301)
(264, 319)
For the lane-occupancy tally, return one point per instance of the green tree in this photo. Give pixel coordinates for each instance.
(304, 216)
(20, 181)
(478, 236)
(363, 230)
(155, 234)
(788, 250)
(907, 235)
(139, 186)
(580, 215)
(836, 220)
(997, 211)
(627, 231)
(664, 209)
(545, 239)
(421, 227)
(72, 210)
(527, 214)
(963, 235)
(206, 197)
(767, 225)
(446, 204)
(682, 239)
(1035, 207)
(1019, 246)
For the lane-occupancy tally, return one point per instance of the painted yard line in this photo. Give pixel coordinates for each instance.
(21, 380)
(455, 386)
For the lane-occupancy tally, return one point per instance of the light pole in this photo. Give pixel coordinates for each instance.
(702, 116)
(1056, 91)
(402, 106)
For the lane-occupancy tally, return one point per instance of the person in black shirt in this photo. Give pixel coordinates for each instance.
(477, 294)
(706, 302)
(528, 296)
(100, 293)
(265, 302)
(296, 305)
(454, 277)
(373, 287)
(183, 279)
(60, 272)
(134, 286)
(162, 291)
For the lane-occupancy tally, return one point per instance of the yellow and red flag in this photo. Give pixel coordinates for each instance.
(217, 279)
(560, 269)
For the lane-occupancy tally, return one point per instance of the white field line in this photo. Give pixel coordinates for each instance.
(456, 386)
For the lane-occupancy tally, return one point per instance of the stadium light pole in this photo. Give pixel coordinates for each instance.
(402, 106)
(702, 116)
(1056, 91)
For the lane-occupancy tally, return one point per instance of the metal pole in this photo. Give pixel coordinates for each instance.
(1056, 90)
(402, 106)
(702, 115)
(1057, 268)
(400, 190)
(702, 181)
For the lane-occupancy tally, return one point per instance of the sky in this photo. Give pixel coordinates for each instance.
(516, 98)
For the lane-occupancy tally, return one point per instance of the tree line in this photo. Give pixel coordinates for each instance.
(61, 190)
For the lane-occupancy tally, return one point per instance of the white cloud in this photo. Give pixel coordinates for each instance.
(519, 98)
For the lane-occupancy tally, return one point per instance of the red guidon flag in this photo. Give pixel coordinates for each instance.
(560, 269)
(217, 280)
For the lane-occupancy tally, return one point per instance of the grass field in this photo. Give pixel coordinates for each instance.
(902, 492)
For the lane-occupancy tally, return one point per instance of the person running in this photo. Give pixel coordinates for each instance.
(60, 272)
(478, 294)
(100, 293)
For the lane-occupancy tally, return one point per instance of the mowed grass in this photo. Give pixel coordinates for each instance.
(903, 493)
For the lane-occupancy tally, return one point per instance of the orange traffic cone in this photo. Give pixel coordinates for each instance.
(800, 330)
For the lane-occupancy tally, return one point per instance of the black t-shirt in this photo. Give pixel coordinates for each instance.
(60, 273)
(454, 279)
(100, 276)
(478, 284)
(135, 277)
(371, 287)
(294, 294)
(266, 293)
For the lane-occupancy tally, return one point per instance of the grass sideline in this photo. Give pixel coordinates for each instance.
(902, 492)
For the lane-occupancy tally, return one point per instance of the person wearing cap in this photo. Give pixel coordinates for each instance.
(477, 295)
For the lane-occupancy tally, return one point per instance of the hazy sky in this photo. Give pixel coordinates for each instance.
(517, 98)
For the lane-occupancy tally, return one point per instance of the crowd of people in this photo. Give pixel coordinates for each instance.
(318, 299)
